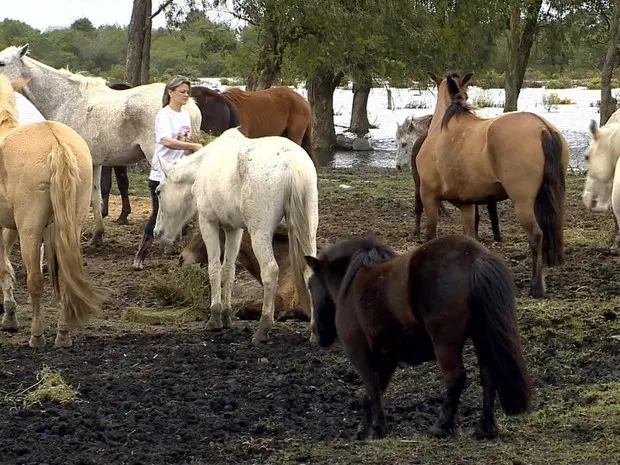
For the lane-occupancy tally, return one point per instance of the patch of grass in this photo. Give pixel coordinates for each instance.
(50, 386)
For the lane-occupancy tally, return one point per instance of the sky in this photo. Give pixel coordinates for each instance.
(41, 14)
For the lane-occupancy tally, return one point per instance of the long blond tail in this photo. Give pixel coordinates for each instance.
(79, 298)
(302, 214)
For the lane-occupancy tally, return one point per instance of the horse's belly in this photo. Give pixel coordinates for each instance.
(7, 219)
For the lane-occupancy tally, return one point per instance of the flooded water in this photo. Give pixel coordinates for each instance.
(573, 120)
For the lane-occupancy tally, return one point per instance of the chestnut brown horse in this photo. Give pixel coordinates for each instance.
(277, 111)
(423, 125)
(286, 296)
(419, 306)
(467, 159)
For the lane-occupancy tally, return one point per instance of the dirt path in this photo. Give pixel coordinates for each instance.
(182, 395)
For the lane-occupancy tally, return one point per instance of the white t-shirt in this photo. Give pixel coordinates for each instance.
(173, 124)
(26, 111)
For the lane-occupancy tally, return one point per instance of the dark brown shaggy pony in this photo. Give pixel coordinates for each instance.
(422, 305)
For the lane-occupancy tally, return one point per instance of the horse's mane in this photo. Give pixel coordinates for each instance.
(8, 106)
(85, 82)
(203, 92)
(235, 94)
(458, 105)
(367, 254)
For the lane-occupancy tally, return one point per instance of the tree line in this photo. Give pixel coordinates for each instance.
(325, 43)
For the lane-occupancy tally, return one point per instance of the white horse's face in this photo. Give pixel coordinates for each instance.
(406, 136)
(176, 207)
(11, 63)
(601, 161)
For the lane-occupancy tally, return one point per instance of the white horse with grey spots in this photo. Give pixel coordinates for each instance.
(236, 183)
(117, 125)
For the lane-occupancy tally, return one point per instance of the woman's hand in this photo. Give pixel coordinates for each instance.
(195, 147)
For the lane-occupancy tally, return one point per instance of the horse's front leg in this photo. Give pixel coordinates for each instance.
(122, 181)
(431, 205)
(30, 244)
(233, 242)
(615, 208)
(468, 217)
(7, 277)
(96, 204)
(211, 236)
(263, 250)
(106, 187)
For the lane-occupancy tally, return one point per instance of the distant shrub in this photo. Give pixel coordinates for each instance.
(551, 101)
(561, 83)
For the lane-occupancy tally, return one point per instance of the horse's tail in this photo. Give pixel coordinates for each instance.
(306, 143)
(494, 332)
(302, 217)
(78, 297)
(549, 205)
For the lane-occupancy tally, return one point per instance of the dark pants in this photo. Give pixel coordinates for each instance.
(150, 224)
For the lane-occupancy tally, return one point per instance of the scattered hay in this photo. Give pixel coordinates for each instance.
(50, 386)
(167, 316)
(203, 138)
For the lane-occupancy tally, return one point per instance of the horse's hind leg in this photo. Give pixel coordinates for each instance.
(122, 181)
(468, 219)
(492, 209)
(7, 277)
(263, 249)
(30, 244)
(95, 202)
(487, 427)
(106, 187)
(450, 359)
(233, 242)
(527, 220)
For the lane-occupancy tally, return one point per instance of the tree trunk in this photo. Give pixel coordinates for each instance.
(608, 103)
(520, 40)
(321, 89)
(146, 48)
(359, 111)
(135, 43)
(268, 66)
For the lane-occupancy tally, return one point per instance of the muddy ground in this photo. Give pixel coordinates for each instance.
(178, 394)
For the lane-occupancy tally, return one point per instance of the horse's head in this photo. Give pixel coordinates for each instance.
(176, 202)
(406, 135)
(601, 158)
(12, 64)
(323, 305)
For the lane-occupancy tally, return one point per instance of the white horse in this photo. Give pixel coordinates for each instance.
(407, 134)
(602, 187)
(118, 125)
(237, 183)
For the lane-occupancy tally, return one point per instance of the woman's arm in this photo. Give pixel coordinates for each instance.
(179, 145)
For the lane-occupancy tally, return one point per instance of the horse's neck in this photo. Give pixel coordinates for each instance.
(186, 168)
(46, 87)
(440, 109)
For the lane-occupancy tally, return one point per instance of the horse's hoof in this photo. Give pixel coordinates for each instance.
(122, 220)
(38, 342)
(10, 324)
(96, 240)
(260, 337)
(362, 433)
(214, 324)
(62, 341)
(226, 321)
(497, 239)
(537, 292)
(439, 432)
(313, 338)
(138, 265)
(484, 432)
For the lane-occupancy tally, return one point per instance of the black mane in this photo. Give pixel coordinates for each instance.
(458, 105)
(369, 254)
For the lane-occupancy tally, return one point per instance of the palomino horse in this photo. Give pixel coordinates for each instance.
(287, 301)
(46, 181)
(409, 139)
(415, 307)
(602, 189)
(236, 183)
(117, 125)
(467, 159)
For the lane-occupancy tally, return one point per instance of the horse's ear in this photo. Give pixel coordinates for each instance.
(453, 88)
(23, 50)
(436, 78)
(165, 167)
(594, 129)
(313, 262)
(410, 126)
(465, 79)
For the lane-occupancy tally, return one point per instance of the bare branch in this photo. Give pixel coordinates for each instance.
(162, 7)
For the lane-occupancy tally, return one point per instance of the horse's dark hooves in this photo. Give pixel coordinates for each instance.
(296, 314)
(249, 314)
(484, 433)
(439, 432)
(122, 220)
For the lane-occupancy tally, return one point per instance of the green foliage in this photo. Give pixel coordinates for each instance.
(560, 83)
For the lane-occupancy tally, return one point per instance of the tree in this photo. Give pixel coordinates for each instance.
(608, 103)
(523, 22)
